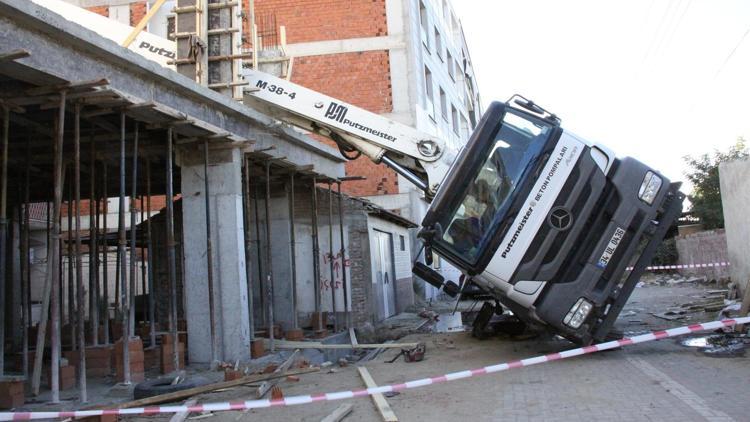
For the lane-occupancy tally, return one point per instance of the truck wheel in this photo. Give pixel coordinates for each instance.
(483, 318)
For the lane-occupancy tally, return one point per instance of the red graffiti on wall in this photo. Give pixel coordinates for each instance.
(325, 271)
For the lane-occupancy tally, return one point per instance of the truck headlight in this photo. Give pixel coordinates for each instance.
(578, 313)
(650, 187)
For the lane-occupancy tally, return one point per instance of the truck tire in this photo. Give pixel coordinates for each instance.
(163, 385)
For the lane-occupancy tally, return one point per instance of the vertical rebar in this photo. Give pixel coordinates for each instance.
(293, 251)
(93, 212)
(343, 256)
(26, 264)
(105, 253)
(172, 260)
(122, 269)
(248, 267)
(331, 258)
(269, 262)
(316, 253)
(133, 228)
(209, 257)
(151, 289)
(79, 264)
(3, 233)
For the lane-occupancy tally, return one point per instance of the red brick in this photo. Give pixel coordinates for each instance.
(101, 10)
(257, 348)
(135, 349)
(167, 351)
(137, 12)
(231, 375)
(67, 376)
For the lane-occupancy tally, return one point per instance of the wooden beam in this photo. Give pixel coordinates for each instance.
(380, 402)
(353, 337)
(142, 24)
(287, 344)
(339, 414)
(14, 55)
(181, 416)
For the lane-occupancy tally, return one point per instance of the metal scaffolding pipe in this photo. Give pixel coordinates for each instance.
(133, 228)
(316, 252)
(331, 257)
(3, 232)
(293, 247)
(122, 266)
(248, 269)
(50, 294)
(93, 236)
(25, 264)
(209, 257)
(151, 290)
(172, 260)
(261, 285)
(105, 265)
(269, 262)
(79, 264)
(71, 277)
(343, 256)
(144, 315)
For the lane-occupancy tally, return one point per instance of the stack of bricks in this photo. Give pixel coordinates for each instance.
(67, 375)
(167, 350)
(98, 360)
(11, 393)
(135, 347)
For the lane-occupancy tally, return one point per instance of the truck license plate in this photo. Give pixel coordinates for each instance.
(614, 242)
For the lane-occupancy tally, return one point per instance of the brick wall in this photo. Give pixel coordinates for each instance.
(102, 10)
(320, 20)
(703, 247)
(137, 12)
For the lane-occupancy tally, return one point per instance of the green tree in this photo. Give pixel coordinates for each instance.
(704, 175)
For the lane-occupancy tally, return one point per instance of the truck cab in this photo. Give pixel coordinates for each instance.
(557, 228)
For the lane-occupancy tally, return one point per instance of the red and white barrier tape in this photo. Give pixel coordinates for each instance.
(684, 266)
(293, 400)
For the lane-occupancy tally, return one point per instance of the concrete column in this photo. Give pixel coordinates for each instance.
(230, 285)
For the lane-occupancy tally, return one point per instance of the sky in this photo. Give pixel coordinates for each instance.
(651, 79)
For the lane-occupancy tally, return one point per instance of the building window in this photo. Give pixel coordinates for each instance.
(451, 65)
(464, 128)
(424, 24)
(454, 119)
(438, 44)
(402, 241)
(443, 105)
(429, 101)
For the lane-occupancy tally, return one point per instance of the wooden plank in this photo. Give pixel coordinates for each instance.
(338, 414)
(353, 337)
(267, 385)
(380, 402)
(190, 392)
(286, 344)
(181, 416)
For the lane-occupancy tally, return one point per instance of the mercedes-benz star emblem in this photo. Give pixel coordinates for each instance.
(560, 218)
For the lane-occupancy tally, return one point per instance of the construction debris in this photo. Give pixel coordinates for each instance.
(340, 413)
(269, 384)
(380, 402)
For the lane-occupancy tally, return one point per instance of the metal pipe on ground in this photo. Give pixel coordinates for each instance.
(331, 258)
(343, 256)
(122, 265)
(209, 258)
(293, 247)
(171, 258)
(79, 264)
(269, 262)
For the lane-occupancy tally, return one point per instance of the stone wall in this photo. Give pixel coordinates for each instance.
(706, 247)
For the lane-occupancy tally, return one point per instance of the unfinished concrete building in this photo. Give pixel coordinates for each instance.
(146, 204)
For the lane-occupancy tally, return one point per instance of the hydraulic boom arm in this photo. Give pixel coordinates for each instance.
(422, 159)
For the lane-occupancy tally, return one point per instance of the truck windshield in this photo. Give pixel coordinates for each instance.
(514, 152)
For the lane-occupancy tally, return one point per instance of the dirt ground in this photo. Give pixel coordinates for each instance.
(655, 381)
